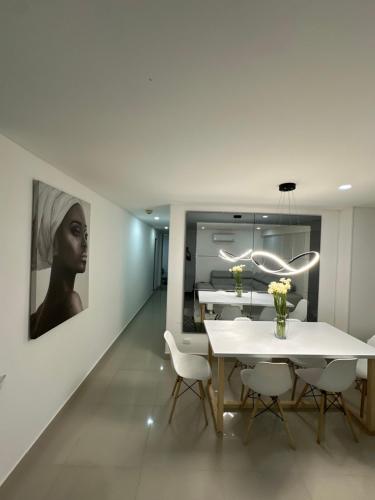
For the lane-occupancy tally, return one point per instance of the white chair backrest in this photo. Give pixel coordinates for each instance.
(230, 312)
(271, 379)
(267, 314)
(187, 365)
(338, 375)
(242, 318)
(300, 311)
(175, 353)
(371, 341)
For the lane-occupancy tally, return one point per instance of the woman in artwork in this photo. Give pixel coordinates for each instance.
(60, 243)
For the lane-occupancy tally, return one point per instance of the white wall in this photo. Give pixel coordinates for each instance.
(176, 268)
(328, 259)
(361, 312)
(43, 373)
(344, 262)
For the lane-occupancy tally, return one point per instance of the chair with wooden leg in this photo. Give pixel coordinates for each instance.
(229, 312)
(361, 373)
(330, 382)
(270, 380)
(300, 311)
(244, 361)
(188, 367)
(306, 362)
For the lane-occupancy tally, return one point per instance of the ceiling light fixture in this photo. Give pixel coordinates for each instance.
(345, 187)
(203, 228)
(166, 227)
(223, 254)
(156, 218)
(265, 216)
(285, 268)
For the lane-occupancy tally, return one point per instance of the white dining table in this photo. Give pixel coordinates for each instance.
(304, 339)
(252, 298)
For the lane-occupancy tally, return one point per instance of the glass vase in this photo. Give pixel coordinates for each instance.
(281, 326)
(238, 289)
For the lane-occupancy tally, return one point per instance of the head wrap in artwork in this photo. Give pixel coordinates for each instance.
(50, 207)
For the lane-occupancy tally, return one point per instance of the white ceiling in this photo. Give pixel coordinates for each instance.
(162, 212)
(155, 102)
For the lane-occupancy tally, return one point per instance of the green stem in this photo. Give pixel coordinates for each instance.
(280, 303)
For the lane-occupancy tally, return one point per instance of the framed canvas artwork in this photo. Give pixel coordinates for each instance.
(59, 258)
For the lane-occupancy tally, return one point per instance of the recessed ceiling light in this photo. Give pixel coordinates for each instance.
(165, 227)
(156, 218)
(265, 216)
(203, 227)
(345, 187)
(258, 228)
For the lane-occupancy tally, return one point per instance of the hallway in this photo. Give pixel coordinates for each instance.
(112, 441)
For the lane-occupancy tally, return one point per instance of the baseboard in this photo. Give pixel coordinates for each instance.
(77, 387)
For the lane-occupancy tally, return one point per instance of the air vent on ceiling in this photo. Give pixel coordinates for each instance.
(223, 237)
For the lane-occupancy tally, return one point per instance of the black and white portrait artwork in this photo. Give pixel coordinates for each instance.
(59, 258)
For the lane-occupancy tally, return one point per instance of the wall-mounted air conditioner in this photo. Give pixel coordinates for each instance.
(223, 237)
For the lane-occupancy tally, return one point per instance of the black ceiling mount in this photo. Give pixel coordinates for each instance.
(287, 186)
(237, 216)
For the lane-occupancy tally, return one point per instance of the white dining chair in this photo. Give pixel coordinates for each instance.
(240, 360)
(187, 367)
(244, 361)
(361, 373)
(267, 379)
(305, 362)
(300, 311)
(230, 312)
(267, 314)
(331, 382)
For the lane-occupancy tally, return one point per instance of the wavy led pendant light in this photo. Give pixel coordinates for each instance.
(232, 258)
(285, 268)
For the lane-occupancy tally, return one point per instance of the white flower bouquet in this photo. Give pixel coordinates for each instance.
(237, 272)
(279, 290)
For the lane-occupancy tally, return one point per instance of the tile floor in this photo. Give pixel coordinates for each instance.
(112, 441)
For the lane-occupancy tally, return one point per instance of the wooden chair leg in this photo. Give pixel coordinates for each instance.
(363, 396)
(236, 364)
(323, 404)
(285, 422)
(304, 390)
(175, 385)
(294, 386)
(201, 389)
(177, 392)
(348, 417)
(242, 392)
(252, 418)
(245, 398)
